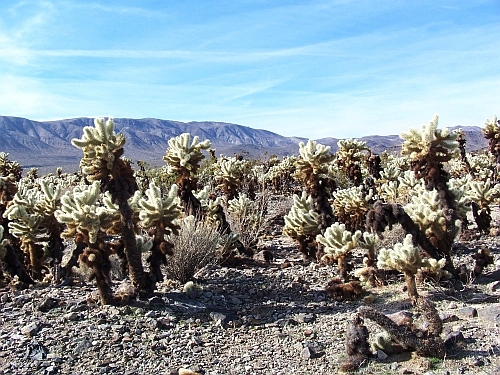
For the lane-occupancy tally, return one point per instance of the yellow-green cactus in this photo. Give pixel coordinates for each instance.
(210, 207)
(8, 167)
(483, 194)
(229, 174)
(163, 214)
(427, 211)
(302, 220)
(405, 258)
(440, 144)
(83, 213)
(156, 210)
(246, 219)
(314, 157)
(301, 224)
(101, 146)
(351, 205)
(351, 159)
(184, 154)
(337, 244)
(351, 151)
(491, 128)
(31, 219)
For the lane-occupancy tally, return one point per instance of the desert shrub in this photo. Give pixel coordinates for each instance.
(196, 245)
(248, 217)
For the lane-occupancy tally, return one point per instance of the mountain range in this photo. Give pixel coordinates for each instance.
(47, 144)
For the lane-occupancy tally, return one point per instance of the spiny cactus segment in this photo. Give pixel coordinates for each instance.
(338, 243)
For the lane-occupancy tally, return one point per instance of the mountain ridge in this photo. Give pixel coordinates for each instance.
(44, 144)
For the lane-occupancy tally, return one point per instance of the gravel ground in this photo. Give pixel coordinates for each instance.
(255, 318)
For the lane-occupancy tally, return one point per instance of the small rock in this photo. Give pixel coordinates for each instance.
(468, 312)
(494, 286)
(185, 371)
(156, 301)
(308, 332)
(285, 264)
(452, 306)
(381, 355)
(30, 329)
(447, 317)
(48, 304)
(311, 349)
(490, 313)
(304, 318)
(72, 316)
(454, 338)
(401, 318)
(394, 366)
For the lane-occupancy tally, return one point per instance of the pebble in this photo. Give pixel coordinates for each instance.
(245, 320)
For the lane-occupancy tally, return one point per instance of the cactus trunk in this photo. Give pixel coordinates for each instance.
(411, 285)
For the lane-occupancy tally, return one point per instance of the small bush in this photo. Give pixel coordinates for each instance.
(194, 247)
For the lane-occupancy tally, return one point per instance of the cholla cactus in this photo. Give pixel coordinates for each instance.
(434, 270)
(302, 219)
(370, 274)
(491, 132)
(228, 174)
(83, 214)
(31, 215)
(312, 172)
(210, 205)
(8, 189)
(87, 220)
(351, 205)
(162, 213)
(101, 147)
(102, 151)
(8, 167)
(184, 154)
(184, 157)
(427, 211)
(483, 194)
(406, 258)
(428, 148)
(338, 244)
(301, 223)
(430, 141)
(350, 158)
(391, 172)
(280, 175)
(481, 164)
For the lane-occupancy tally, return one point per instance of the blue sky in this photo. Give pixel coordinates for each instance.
(332, 68)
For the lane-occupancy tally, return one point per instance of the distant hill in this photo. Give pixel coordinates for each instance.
(47, 144)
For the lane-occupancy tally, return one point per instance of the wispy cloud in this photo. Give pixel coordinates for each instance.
(119, 9)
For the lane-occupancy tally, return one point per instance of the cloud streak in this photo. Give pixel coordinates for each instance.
(330, 68)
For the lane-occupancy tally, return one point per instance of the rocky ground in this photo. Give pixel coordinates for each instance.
(250, 319)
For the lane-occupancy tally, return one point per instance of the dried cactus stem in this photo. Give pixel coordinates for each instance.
(386, 215)
(308, 247)
(98, 260)
(356, 345)
(134, 258)
(411, 286)
(15, 267)
(430, 346)
(482, 217)
(33, 251)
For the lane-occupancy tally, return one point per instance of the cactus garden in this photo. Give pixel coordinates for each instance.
(317, 263)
